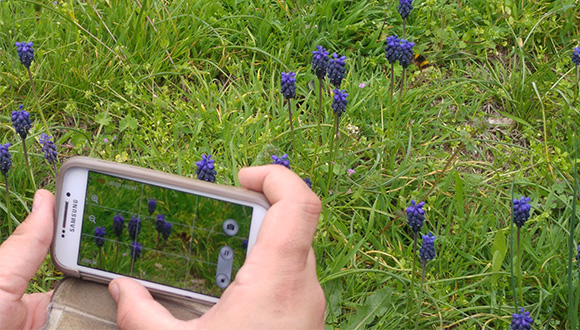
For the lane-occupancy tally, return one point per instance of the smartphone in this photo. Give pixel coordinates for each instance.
(174, 235)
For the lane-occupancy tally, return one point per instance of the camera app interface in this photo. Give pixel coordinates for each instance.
(162, 235)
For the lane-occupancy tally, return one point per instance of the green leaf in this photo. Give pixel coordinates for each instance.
(499, 251)
(102, 119)
(78, 140)
(128, 123)
(375, 305)
(459, 193)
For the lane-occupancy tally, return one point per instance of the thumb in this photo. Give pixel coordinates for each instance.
(136, 308)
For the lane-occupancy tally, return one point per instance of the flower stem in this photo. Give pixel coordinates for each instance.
(392, 92)
(404, 27)
(424, 265)
(412, 291)
(520, 269)
(332, 156)
(401, 88)
(319, 109)
(38, 102)
(8, 204)
(28, 164)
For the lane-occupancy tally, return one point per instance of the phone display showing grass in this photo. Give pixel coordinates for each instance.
(159, 234)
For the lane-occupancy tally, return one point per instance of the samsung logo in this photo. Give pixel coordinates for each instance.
(73, 216)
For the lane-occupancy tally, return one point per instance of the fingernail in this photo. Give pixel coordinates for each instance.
(114, 290)
(37, 202)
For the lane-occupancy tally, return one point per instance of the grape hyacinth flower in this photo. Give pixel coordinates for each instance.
(118, 225)
(284, 161)
(5, 164)
(287, 85)
(166, 230)
(335, 70)
(5, 159)
(320, 62)
(521, 321)
(578, 255)
(319, 65)
(134, 227)
(288, 89)
(136, 248)
(160, 223)
(21, 122)
(521, 211)
(415, 216)
(406, 53)
(576, 56)
(308, 182)
(100, 236)
(393, 49)
(151, 205)
(427, 250)
(205, 169)
(49, 149)
(339, 101)
(405, 7)
(25, 53)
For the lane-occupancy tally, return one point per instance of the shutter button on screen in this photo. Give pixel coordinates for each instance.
(224, 267)
(231, 227)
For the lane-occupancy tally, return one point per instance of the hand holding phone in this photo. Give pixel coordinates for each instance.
(175, 235)
(277, 288)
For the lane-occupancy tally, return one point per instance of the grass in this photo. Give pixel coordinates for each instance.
(165, 82)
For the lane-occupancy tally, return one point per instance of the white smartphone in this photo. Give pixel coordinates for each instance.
(174, 235)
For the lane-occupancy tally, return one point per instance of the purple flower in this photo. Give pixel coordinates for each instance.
(25, 53)
(136, 248)
(339, 101)
(405, 7)
(5, 159)
(166, 230)
(100, 236)
(362, 85)
(118, 225)
(308, 182)
(134, 227)
(576, 56)
(160, 222)
(205, 169)
(319, 61)
(406, 55)
(521, 211)
(393, 49)
(21, 122)
(427, 250)
(49, 149)
(415, 216)
(151, 205)
(350, 171)
(335, 70)
(281, 160)
(522, 321)
(287, 84)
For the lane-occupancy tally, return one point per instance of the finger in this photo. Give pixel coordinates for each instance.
(290, 223)
(136, 308)
(24, 251)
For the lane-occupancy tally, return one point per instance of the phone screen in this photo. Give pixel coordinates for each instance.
(162, 235)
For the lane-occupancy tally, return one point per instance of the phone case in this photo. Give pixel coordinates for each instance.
(113, 168)
(70, 309)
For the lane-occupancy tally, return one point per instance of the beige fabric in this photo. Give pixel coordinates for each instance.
(81, 304)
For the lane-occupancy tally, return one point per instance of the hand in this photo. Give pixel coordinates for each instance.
(277, 287)
(20, 257)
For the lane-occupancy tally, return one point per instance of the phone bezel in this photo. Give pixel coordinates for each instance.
(72, 181)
